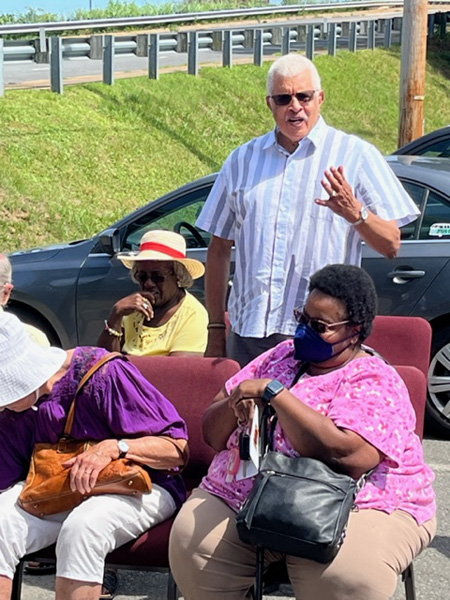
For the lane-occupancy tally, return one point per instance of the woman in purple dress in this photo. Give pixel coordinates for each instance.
(120, 409)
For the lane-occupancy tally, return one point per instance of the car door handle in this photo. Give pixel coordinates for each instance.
(406, 274)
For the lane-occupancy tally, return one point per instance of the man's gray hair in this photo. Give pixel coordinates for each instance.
(5, 270)
(291, 65)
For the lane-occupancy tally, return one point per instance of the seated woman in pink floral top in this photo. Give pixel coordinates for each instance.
(347, 408)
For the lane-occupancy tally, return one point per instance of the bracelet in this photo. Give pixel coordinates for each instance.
(111, 331)
(216, 326)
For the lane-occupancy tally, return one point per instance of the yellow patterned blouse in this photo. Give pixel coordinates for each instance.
(185, 331)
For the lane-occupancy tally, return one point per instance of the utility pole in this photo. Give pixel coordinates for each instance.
(413, 68)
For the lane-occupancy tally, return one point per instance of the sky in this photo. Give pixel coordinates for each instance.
(56, 6)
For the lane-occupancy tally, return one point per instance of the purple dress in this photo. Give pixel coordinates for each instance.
(116, 402)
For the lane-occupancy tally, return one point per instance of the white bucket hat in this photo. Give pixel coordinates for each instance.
(163, 245)
(24, 365)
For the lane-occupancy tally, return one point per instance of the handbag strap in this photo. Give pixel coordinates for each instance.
(269, 417)
(104, 359)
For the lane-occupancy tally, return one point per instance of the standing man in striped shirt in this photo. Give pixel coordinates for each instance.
(292, 201)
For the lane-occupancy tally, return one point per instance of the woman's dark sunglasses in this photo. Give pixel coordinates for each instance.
(285, 99)
(157, 277)
(316, 324)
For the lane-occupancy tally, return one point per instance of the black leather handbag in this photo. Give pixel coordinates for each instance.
(298, 506)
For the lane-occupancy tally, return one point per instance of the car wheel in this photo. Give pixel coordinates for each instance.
(438, 406)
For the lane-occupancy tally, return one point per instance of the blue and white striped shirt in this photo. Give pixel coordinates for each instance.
(263, 199)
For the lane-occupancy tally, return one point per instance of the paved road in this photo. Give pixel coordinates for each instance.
(432, 567)
(80, 70)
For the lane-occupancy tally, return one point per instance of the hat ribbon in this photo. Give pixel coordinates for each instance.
(162, 248)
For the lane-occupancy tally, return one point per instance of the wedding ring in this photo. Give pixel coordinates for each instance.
(145, 305)
(333, 193)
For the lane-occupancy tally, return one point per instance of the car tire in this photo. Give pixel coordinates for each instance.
(438, 405)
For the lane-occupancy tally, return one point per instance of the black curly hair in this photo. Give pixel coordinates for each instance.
(354, 288)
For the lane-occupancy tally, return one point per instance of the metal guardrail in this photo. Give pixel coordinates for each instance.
(93, 24)
(284, 37)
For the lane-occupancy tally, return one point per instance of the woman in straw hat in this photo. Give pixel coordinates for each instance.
(163, 318)
(120, 409)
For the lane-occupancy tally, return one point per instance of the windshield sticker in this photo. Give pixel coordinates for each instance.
(439, 230)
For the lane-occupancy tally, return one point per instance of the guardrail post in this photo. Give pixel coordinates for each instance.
(2, 79)
(430, 25)
(227, 53)
(217, 41)
(258, 48)
(310, 43)
(332, 40)
(442, 20)
(286, 40)
(42, 55)
(193, 53)
(182, 42)
(443, 24)
(249, 38)
(276, 38)
(387, 33)
(353, 37)
(142, 41)
(96, 47)
(371, 35)
(153, 55)
(108, 60)
(56, 78)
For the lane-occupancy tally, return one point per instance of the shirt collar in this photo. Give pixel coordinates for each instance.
(315, 136)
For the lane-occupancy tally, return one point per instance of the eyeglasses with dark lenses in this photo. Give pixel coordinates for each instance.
(303, 97)
(141, 276)
(316, 325)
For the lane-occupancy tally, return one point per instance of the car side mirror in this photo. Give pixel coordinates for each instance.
(110, 241)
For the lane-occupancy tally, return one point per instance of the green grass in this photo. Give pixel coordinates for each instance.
(73, 164)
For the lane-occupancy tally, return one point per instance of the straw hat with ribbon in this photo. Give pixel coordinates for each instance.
(163, 245)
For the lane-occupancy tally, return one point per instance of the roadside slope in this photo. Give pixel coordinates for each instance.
(73, 164)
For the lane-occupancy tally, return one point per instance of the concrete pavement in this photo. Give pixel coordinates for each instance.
(432, 568)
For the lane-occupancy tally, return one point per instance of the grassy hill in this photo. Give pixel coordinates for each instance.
(72, 164)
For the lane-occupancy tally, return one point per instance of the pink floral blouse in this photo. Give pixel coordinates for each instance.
(366, 396)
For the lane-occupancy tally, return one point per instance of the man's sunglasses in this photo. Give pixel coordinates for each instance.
(303, 97)
(157, 277)
(316, 324)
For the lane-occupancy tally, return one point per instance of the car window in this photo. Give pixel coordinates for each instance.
(436, 219)
(178, 215)
(408, 232)
(441, 148)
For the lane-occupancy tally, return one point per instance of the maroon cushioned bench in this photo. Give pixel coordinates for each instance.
(190, 383)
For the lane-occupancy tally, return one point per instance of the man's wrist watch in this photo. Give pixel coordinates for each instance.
(364, 213)
(123, 448)
(272, 389)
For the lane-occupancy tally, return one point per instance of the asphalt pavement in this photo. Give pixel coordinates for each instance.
(432, 567)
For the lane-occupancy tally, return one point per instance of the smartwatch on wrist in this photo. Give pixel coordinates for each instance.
(123, 448)
(272, 389)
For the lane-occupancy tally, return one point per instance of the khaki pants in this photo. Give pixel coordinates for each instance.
(209, 562)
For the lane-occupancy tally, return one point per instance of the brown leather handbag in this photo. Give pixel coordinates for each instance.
(47, 489)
